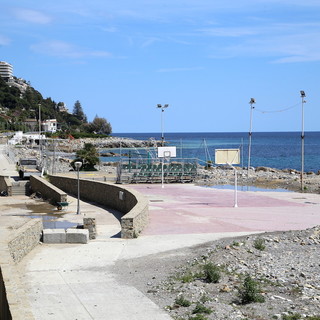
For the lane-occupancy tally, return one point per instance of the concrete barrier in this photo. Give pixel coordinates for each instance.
(54, 236)
(47, 190)
(65, 236)
(77, 235)
(133, 205)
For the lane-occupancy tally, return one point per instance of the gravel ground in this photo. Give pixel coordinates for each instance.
(284, 267)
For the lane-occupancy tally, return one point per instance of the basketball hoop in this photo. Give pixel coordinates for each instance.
(165, 153)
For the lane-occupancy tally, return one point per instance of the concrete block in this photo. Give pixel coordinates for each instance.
(54, 236)
(77, 236)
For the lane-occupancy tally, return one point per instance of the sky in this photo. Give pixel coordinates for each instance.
(205, 58)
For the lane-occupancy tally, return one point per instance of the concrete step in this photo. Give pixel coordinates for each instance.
(20, 188)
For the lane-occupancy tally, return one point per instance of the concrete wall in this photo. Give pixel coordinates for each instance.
(14, 303)
(6, 185)
(47, 190)
(132, 204)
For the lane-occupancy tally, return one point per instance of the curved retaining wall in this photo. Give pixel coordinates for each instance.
(132, 204)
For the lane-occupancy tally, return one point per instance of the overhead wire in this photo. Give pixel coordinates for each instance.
(275, 111)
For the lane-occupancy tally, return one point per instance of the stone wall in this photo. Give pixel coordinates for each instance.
(4, 306)
(132, 204)
(23, 241)
(47, 190)
(6, 185)
(14, 303)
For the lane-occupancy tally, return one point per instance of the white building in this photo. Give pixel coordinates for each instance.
(6, 70)
(50, 125)
(30, 138)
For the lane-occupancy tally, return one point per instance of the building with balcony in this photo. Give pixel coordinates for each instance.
(50, 125)
(6, 71)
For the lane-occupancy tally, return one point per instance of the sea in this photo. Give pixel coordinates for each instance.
(281, 150)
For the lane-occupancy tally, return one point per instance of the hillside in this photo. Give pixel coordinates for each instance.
(17, 106)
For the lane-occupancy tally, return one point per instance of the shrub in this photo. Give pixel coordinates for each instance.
(259, 244)
(198, 317)
(182, 302)
(187, 277)
(200, 308)
(250, 291)
(211, 273)
(294, 316)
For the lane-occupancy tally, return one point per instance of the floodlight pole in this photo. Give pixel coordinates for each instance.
(40, 142)
(252, 102)
(235, 187)
(303, 95)
(78, 165)
(162, 107)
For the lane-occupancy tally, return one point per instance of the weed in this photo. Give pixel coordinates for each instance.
(198, 317)
(200, 308)
(313, 318)
(211, 273)
(259, 244)
(235, 244)
(182, 302)
(294, 316)
(204, 298)
(250, 291)
(187, 277)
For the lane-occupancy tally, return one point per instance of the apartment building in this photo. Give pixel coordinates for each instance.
(6, 70)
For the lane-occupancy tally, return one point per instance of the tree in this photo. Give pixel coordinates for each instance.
(100, 125)
(89, 157)
(78, 111)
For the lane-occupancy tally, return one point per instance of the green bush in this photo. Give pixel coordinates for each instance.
(294, 316)
(187, 277)
(200, 308)
(198, 317)
(182, 302)
(259, 244)
(250, 291)
(211, 273)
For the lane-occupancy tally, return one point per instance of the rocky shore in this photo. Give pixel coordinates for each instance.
(261, 177)
(72, 145)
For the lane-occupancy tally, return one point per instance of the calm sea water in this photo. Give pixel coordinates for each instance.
(271, 149)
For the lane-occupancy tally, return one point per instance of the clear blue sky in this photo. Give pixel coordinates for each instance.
(205, 58)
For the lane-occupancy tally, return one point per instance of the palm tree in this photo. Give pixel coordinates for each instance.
(88, 156)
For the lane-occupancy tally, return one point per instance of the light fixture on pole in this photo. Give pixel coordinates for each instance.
(162, 107)
(78, 165)
(252, 102)
(303, 95)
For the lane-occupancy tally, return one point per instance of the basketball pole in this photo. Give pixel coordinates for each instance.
(252, 101)
(303, 95)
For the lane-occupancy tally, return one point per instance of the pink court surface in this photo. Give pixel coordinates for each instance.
(188, 209)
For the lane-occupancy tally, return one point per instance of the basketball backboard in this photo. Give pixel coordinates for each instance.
(167, 152)
(227, 156)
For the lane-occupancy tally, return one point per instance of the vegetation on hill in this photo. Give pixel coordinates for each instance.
(16, 107)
